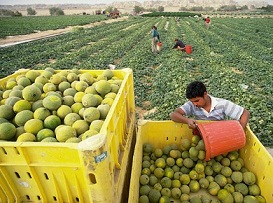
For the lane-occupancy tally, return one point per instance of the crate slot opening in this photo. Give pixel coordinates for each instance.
(16, 150)
(92, 178)
(46, 176)
(29, 175)
(17, 175)
(4, 151)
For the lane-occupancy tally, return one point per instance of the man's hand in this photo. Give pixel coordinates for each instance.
(192, 124)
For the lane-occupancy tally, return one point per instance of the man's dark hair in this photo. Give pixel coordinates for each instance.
(195, 89)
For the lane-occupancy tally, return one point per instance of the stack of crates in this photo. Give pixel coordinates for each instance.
(61, 172)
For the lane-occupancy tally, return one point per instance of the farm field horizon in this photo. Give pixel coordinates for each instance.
(234, 58)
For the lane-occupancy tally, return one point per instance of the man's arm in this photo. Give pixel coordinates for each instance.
(178, 116)
(244, 118)
(175, 46)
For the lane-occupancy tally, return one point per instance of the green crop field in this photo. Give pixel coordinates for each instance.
(10, 26)
(234, 58)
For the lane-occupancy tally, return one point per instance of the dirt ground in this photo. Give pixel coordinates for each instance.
(11, 40)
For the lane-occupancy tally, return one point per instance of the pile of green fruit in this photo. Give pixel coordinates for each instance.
(181, 174)
(55, 106)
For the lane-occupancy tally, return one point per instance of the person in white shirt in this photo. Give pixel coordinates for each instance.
(202, 106)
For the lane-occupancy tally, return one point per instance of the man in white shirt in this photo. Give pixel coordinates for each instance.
(203, 106)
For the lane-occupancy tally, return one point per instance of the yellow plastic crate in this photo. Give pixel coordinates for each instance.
(162, 133)
(61, 172)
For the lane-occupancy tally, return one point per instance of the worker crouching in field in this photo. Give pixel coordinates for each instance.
(179, 45)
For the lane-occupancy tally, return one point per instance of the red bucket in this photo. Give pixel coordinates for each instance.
(159, 46)
(221, 137)
(188, 49)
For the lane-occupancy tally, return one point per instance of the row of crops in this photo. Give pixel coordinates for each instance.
(234, 58)
(32, 24)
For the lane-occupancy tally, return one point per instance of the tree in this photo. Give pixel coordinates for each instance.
(54, 11)
(228, 8)
(161, 8)
(17, 13)
(31, 12)
(138, 9)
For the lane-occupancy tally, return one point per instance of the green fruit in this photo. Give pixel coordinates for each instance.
(21, 105)
(32, 75)
(12, 100)
(33, 126)
(73, 140)
(147, 148)
(42, 134)
(63, 110)
(89, 133)
(249, 178)
(26, 137)
(221, 180)
(194, 186)
(88, 78)
(96, 125)
(204, 183)
(213, 188)
(22, 117)
(250, 199)
(89, 100)
(90, 114)
(242, 188)
(143, 199)
(7, 131)
(103, 109)
(80, 126)
(238, 197)
(41, 113)
(237, 177)
(6, 112)
(254, 190)
(49, 139)
(31, 93)
(144, 189)
(102, 87)
(70, 118)
(176, 193)
(154, 196)
(108, 74)
(64, 132)
(166, 182)
(52, 122)
(52, 102)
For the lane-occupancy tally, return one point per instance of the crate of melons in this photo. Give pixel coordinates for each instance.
(65, 135)
(169, 165)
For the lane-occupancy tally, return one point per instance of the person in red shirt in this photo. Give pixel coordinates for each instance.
(207, 22)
